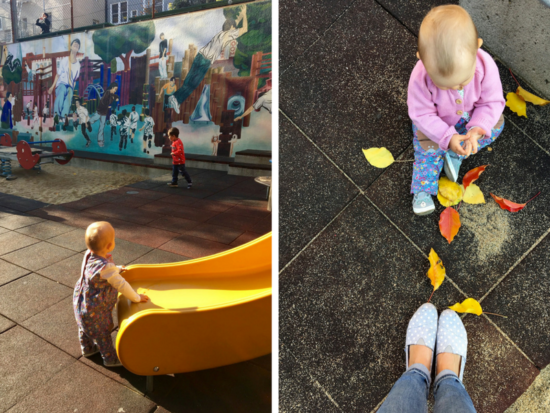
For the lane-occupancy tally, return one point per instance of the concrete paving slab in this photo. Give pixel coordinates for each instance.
(250, 211)
(73, 240)
(141, 234)
(57, 325)
(144, 184)
(80, 389)
(85, 203)
(349, 92)
(302, 23)
(496, 373)
(136, 216)
(244, 238)
(30, 295)
(3, 230)
(173, 224)
(126, 251)
(27, 362)
(264, 362)
(345, 303)
(523, 297)
(490, 240)
(178, 199)
(45, 230)
(193, 247)
(217, 233)
(536, 398)
(5, 324)
(159, 257)
(37, 256)
(19, 203)
(312, 193)
(66, 272)
(143, 193)
(59, 213)
(239, 222)
(19, 220)
(10, 272)
(179, 211)
(132, 201)
(12, 241)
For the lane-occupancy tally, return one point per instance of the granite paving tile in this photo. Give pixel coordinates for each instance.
(140, 234)
(344, 306)
(173, 224)
(19, 203)
(12, 241)
(177, 200)
(27, 362)
(123, 213)
(10, 272)
(86, 202)
(73, 240)
(262, 226)
(241, 387)
(57, 325)
(37, 256)
(240, 222)
(19, 220)
(490, 240)
(68, 216)
(217, 233)
(179, 211)
(193, 247)
(349, 92)
(143, 193)
(224, 198)
(58, 394)
(523, 296)
(496, 373)
(45, 230)
(245, 238)
(5, 324)
(159, 257)
(311, 191)
(301, 23)
(298, 391)
(210, 205)
(255, 203)
(29, 295)
(132, 201)
(66, 272)
(251, 186)
(3, 230)
(127, 251)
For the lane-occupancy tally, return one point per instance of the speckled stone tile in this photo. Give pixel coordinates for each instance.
(490, 240)
(312, 191)
(159, 257)
(12, 241)
(18, 220)
(301, 23)
(523, 296)
(10, 272)
(349, 92)
(344, 306)
(5, 324)
(66, 272)
(73, 240)
(37, 256)
(45, 230)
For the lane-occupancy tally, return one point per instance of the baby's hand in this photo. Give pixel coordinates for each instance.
(455, 144)
(144, 298)
(474, 135)
(122, 268)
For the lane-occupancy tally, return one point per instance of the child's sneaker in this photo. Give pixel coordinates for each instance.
(115, 363)
(423, 204)
(172, 185)
(452, 165)
(189, 185)
(94, 350)
(173, 103)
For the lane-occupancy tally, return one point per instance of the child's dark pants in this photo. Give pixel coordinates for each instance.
(176, 169)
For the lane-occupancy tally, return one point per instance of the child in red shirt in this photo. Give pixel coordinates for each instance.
(178, 159)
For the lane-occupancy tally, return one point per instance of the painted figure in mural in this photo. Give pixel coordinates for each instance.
(166, 92)
(7, 115)
(232, 141)
(46, 111)
(134, 117)
(29, 109)
(208, 55)
(35, 117)
(215, 141)
(124, 130)
(113, 120)
(163, 48)
(65, 80)
(30, 75)
(44, 23)
(84, 120)
(103, 109)
(148, 134)
(264, 101)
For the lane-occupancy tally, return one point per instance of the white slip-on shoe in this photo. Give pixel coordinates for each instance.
(422, 329)
(452, 337)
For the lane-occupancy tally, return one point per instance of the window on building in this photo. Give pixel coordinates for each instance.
(134, 13)
(95, 21)
(1, 23)
(158, 6)
(24, 24)
(119, 12)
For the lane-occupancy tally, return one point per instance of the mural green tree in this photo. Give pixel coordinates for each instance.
(258, 37)
(122, 41)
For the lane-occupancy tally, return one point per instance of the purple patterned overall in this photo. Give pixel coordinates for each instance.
(93, 302)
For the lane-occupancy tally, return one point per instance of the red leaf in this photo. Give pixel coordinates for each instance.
(508, 205)
(449, 223)
(472, 175)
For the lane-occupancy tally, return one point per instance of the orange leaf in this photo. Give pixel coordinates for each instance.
(508, 205)
(472, 175)
(449, 223)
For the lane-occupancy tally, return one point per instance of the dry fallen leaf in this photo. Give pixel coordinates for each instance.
(449, 193)
(516, 104)
(473, 195)
(436, 273)
(473, 175)
(449, 223)
(529, 97)
(378, 157)
(508, 205)
(469, 305)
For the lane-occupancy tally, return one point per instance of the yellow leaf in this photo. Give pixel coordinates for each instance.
(449, 193)
(529, 97)
(379, 157)
(516, 104)
(473, 195)
(436, 273)
(469, 305)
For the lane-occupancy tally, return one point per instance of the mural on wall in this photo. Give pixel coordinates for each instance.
(118, 90)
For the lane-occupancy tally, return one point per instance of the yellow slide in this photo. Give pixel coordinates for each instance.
(204, 313)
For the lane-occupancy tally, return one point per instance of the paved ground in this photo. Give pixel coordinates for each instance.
(353, 256)
(41, 250)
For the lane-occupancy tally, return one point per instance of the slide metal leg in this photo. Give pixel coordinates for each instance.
(149, 384)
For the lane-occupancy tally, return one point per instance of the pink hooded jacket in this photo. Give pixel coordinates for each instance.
(435, 111)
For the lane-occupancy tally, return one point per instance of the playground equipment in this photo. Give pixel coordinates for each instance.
(28, 156)
(204, 313)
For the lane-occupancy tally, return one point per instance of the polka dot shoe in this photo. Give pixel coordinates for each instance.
(422, 328)
(452, 337)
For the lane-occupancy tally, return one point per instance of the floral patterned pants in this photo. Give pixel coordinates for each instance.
(429, 163)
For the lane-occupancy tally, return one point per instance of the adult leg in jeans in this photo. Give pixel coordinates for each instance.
(409, 394)
(450, 394)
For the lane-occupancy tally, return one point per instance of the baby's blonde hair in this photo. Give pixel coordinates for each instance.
(97, 235)
(447, 33)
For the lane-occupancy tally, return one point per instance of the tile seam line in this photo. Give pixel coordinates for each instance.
(508, 119)
(319, 233)
(318, 38)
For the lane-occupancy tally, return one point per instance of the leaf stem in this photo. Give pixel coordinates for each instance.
(514, 77)
(495, 314)
(429, 299)
(406, 160)
(533, 198)
(459, 206)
